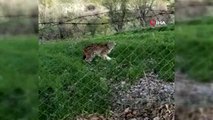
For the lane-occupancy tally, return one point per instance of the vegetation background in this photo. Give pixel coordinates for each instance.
(69, 87)
(194, 60)
(99, 17)
(19, 62)
(140, 50)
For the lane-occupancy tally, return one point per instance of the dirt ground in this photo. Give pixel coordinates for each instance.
(147, 99)
(154, 99)
(194, 101)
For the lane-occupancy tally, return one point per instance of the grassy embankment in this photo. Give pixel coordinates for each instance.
(18, 77)
(69, 86)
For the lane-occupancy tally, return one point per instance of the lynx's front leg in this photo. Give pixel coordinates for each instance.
(107, 57)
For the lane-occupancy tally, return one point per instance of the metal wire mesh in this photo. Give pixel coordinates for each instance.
(70, 87)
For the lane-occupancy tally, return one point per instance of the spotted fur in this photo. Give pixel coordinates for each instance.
(100, 49)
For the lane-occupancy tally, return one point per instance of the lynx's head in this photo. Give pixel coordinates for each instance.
(111, 45)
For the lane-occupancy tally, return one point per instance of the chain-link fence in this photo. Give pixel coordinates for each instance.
(70, 88)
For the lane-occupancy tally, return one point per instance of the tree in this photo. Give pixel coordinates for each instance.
(117, 13)
(142, 8)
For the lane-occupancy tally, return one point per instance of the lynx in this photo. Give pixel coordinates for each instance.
(100, 49)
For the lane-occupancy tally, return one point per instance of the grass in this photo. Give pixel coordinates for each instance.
(194, 48)
(18, 75)
(68, 86)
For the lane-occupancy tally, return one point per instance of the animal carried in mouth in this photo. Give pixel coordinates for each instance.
(99, 49)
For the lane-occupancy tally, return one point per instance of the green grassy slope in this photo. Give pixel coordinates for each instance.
(18, 77)
(69, 86)
(194, 49)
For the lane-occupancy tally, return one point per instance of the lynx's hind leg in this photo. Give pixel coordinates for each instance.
(89, 58)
